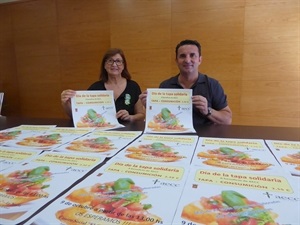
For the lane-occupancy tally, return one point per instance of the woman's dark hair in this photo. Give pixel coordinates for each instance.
(111, 52)
(188, 42)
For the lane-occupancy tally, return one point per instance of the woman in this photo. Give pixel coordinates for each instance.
(114, 76)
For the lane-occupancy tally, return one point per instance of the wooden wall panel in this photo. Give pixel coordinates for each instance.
(250, 46)
(33, 14)
(271, 21)
(79, 71)
(36, 42)
(137, 33)
(138, 9)
(8, 68)
(84, 36)
(208, 22)
(188, 6)
(149, 67)
(270, 88)
(270, 99)
(143, 30)
(81, 50)
(42, 100)
(271, 61)
(72, 12)
(37, 57)
(219, 27)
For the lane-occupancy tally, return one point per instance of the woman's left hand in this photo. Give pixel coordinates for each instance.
(123, 115)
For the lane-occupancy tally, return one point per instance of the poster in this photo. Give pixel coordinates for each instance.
(288, 154)
(11, 156)
(26, 187)
(235, 154)
(169, 111)
(218, 197)
(14, 132)
(167, 149)
(107, 143)
(45, 140)
(121, 192)
(94, 109)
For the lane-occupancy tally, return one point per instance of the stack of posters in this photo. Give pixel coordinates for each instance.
(94, 109)
(26, 187)
(164, 176)
(107, 143)
(169, 111)
(287, 153)
(121, 192)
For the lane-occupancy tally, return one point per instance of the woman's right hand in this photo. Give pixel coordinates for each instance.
(66, 96)
(143, 98)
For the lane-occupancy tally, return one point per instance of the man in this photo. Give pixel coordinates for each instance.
(209, 100)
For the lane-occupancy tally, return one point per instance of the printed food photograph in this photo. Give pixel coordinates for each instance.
(165, 121)
(230, 158)
(100, 144)
(20, 187)
(115, 202)
(5, 136)
(229, 207)
(292, 158)
(93, 119)
(155, 152)
(41, 140)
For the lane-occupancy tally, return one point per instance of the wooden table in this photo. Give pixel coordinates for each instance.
(219, 131)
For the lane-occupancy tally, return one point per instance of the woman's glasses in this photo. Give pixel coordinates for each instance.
(118, 62)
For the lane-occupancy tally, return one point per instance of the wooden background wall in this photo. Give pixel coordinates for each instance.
(250, 46)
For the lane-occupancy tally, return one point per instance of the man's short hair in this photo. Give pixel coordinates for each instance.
(188, 42)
